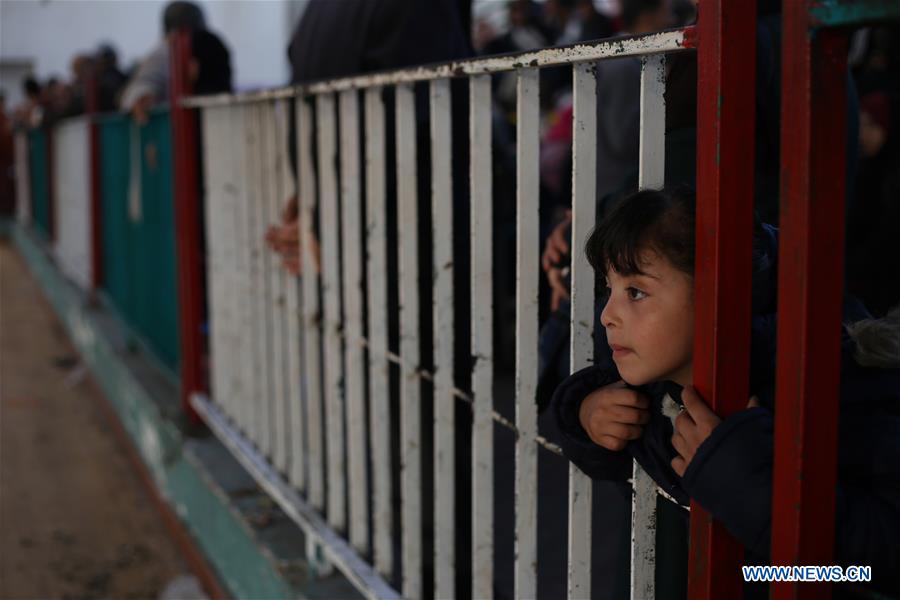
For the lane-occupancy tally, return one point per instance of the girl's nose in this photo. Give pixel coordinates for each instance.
(608, 316)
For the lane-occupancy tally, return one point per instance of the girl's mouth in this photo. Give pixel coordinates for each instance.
(619, 351)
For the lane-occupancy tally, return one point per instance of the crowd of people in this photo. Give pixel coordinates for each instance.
(97, 83)
(134, 89)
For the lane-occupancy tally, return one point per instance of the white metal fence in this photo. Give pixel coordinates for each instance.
(301, 367)
(71, 177)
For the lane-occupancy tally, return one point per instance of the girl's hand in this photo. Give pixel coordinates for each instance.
(613, 415)
(695, 423)
(557, 246)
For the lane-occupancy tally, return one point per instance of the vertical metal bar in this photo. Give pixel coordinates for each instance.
(584, 217)
(278, 320)
(295, 366)
(260, 284)
(248, 356)
(218, 182)
(96, 184)
(722, 289)
(379, 406)
(652, 161)
(813, 168)
(213, 199)
(331, 293)
(226, 274)
(257, 317)
(234, 300)
(52, 196)
(23, 180)
(410, 384)
(265, 324)
(312, 316)
(442, 302)
(651, 174)
(351, 201)
(187, 225)
(482, 239)
(527, 270)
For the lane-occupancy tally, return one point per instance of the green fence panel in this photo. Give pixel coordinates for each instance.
(118, 229)
(40, 180)
(139, 230)
(157, 278)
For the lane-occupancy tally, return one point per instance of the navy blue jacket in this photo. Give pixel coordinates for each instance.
(731, 473)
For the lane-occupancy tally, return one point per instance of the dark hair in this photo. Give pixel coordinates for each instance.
(213, 61)
(181, 14)
(633, 9)
(31, 86)
(657, 220)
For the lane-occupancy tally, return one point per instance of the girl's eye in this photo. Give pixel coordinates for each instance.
(636, 294)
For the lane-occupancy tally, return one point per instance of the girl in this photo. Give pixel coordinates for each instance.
(621, 410)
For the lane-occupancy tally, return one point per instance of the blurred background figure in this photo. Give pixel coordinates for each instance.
(30, 112)
(110, 80)
(83, 67)
(874, 217)
(210, 64)
(576, 21)
(56, 97)
(150, 84)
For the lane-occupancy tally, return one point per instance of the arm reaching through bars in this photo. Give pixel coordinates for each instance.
(284, 239)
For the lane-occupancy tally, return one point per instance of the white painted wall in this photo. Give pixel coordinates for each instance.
(50, 32)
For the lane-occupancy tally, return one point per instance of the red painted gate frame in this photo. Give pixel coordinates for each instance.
(810, 286)
(726, 66)
(187, 225)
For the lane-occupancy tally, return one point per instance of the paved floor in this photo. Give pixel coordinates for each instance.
(75, 521)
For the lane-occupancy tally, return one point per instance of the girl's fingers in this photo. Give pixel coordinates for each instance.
(629, 415)
(683, 422)
(626, 397)
(680, 444)
(696, 408)
(611, 443)
(679, 465)
(622, 431)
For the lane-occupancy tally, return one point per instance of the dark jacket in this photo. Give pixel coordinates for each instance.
(731, 473)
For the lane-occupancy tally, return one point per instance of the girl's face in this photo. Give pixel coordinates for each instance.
(649, 321)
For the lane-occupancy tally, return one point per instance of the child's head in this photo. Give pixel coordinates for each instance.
(645, 251)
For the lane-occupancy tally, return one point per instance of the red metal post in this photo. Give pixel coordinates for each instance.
(93, 109)
(726, 67)
(187, 223)
(810, 268)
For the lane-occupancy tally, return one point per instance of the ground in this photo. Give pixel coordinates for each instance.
(75, 520)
